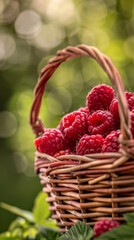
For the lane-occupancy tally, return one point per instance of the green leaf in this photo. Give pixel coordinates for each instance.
(18, 223)
(80, 231)
(7, 236)
(20, 212)
(48, 233)
(30, 232)
(40, 209)
(129, 217)
(123, 232)
(50, 223)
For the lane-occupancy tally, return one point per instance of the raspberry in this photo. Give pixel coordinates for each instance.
(51, 142)
(73, 126)
(114, 110)
(131, 103)
(99, 98)
(114, 107)
(64, 152)
(89, 144)
(129, 95)
(132, 122)
(37, 142)
(100, 122)
(111, 143)
(104, 226)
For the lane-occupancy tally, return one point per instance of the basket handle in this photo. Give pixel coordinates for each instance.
(104, 62)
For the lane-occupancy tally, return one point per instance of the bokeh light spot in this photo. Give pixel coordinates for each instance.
(61, 11)
(8, 11)
(7, 46)
(8, 124)
(28, 24)
(50, 36)
(40, 5)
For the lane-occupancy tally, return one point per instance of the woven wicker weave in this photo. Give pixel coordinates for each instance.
(90, 187)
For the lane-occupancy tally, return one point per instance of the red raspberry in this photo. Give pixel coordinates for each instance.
(100, 122)
(51, 142)
(37, 142)
(114, 107)
(64, 152)
(132, 122)
(111, 143)
(89, 144)
(114, 110)
(129, 95)
(104, 226)
(73, 126)
(131, 103)
(99, 98)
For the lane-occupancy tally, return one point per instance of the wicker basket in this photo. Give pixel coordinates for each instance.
(95, 186)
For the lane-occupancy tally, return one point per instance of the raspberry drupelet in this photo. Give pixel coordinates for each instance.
(51, 142)
(99, 98)
(100, 122)
(73, 126)
(89, 144)
(104, 226)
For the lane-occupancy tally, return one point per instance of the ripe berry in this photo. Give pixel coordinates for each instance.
(131, 103)
(73, 126)
(100, 122)
(51, 142)
(114, 107)
(104, 226)
(114, 110)
(111, 143)
(99, 98)
(63, 152)
(129, 95)
(132, 122)
(89, 144)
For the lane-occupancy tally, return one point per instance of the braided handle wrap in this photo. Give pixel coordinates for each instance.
(104, 62)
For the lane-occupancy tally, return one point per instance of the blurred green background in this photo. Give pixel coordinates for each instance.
(31, 31)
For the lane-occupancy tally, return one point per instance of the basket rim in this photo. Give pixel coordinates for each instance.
(75, 163)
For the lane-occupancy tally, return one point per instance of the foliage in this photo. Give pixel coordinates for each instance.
(80, 231)
(29, 226)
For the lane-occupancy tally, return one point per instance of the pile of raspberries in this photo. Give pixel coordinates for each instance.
(94, 128)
